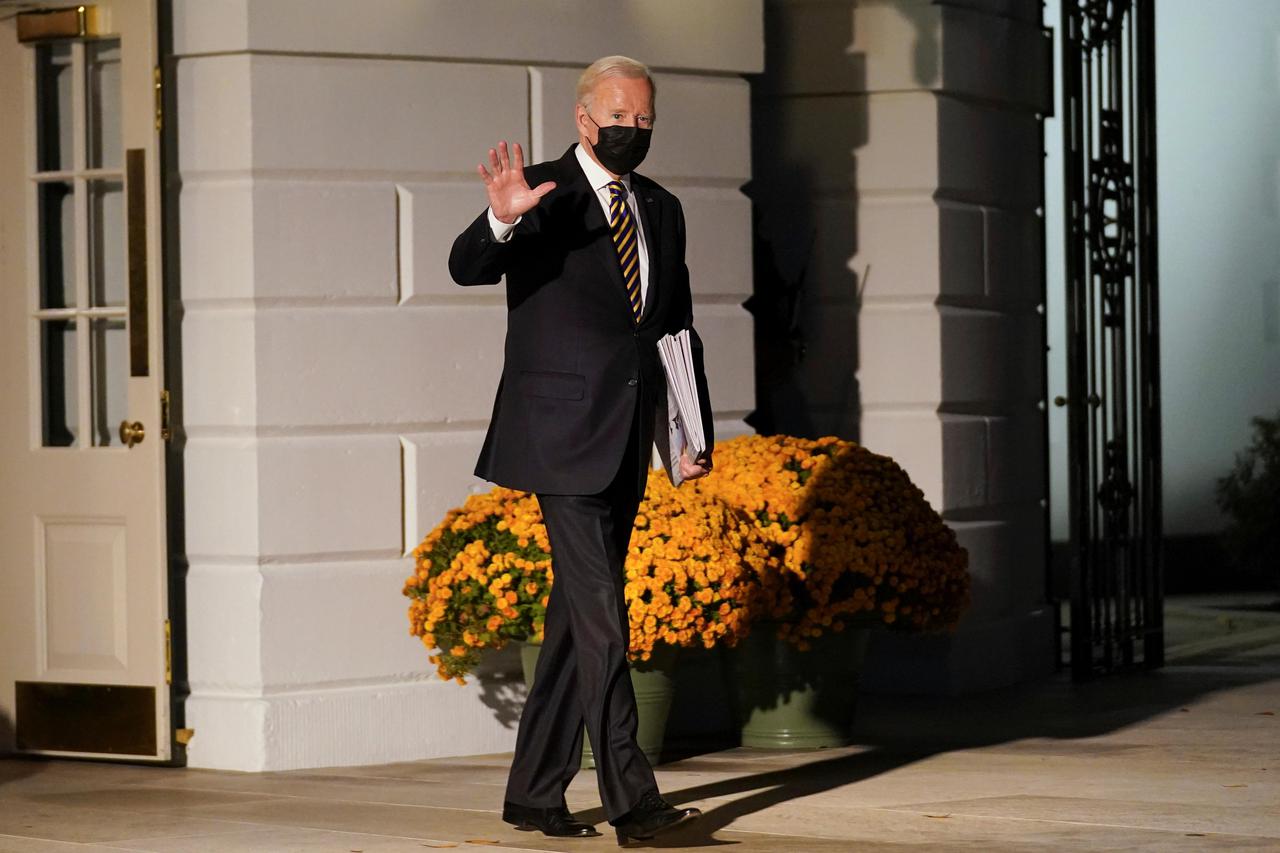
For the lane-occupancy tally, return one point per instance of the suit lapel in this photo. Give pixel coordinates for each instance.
(597, 227)
(602, 244)
(651, 221)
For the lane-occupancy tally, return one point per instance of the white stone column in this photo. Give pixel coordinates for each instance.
(899, 161)
(336, 384)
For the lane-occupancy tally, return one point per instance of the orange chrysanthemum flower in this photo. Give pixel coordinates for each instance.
(483, 575)
(854, 541)
(815, 535)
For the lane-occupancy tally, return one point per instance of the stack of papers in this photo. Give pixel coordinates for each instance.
(684, 424)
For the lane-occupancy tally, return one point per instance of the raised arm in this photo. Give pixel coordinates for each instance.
(479, 253)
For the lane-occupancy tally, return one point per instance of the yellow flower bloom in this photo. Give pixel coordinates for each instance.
(810, 533)
(848, 533)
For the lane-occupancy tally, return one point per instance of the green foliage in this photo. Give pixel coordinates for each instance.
(1250, 496)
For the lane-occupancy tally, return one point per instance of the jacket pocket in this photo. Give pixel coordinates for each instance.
(548, 383)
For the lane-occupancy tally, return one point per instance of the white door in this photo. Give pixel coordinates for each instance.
(83, 584)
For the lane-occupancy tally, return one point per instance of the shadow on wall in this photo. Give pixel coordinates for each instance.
(803, 194)
(809, 117)
(925, 49)
(501, 683)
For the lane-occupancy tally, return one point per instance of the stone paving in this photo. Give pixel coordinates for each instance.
(1185, 758)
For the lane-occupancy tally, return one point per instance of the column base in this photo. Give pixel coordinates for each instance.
(366, 724)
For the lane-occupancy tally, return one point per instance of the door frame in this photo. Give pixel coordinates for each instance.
(165, 362)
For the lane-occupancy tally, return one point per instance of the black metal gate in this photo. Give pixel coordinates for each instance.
(1113, 383)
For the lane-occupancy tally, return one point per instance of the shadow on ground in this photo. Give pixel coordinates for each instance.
(901, 730)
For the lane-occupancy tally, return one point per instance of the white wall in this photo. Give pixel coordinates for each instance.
(336, 383)
(1218, 138)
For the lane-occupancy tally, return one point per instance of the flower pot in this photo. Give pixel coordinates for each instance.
(654, 686)
(789, 699)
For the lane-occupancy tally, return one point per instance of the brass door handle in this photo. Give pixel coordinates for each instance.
(132, 433)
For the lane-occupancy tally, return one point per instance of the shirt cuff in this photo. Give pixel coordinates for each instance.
(501, 230)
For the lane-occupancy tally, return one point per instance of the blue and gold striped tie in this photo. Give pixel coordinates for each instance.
(626, 242)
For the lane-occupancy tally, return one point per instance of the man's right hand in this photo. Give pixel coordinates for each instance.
(509, 194)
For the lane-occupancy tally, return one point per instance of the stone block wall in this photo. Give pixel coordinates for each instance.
(898, 185)
(335, 383)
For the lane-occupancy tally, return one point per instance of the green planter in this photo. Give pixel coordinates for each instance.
(788, 699)
(654, 686)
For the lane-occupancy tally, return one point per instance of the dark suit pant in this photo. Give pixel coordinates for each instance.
(582, 673)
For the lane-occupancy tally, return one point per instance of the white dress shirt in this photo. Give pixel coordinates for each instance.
(599, 180)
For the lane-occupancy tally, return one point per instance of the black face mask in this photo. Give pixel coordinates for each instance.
(619, 148)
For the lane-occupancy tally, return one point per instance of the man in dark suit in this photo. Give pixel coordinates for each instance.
(594, 259)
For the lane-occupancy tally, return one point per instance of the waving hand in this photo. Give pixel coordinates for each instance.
(509, 193)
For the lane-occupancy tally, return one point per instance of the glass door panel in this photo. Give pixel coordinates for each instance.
(83, 298)
(108, 372)
(102, 99)
(106, 244)
(60, 398)
(56, 202)
(54, 131)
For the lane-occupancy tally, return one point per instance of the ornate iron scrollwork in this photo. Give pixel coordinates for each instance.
(1113, 399)
(1102, 21)
(1115, 495)
(1111, 221)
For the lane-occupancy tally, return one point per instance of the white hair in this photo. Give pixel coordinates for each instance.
(612, 66)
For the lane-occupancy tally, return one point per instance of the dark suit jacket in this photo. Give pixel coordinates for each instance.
(576, 361)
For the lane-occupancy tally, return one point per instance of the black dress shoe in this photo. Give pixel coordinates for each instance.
(556, 822)
(651, 816)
